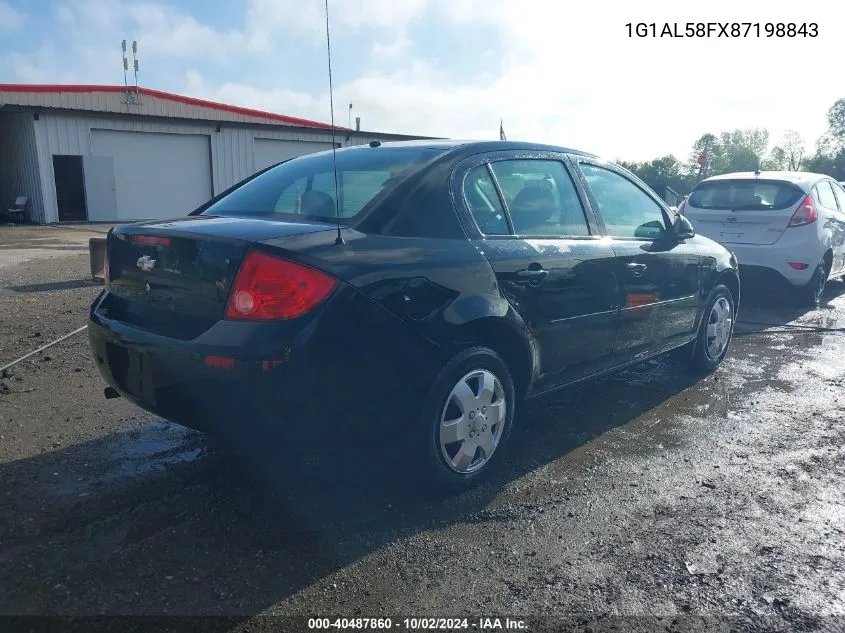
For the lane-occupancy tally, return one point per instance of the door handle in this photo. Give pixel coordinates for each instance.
(533, 276)
(636, 268)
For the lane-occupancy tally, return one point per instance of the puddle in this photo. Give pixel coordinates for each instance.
(153, 448)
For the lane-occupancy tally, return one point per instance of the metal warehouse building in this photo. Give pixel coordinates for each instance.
(108, 153)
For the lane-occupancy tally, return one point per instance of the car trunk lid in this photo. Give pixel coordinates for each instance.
(743, 211)
(174, 277)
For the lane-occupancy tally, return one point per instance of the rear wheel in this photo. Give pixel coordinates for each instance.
(812, 293)
(468, 418)
(715, 332)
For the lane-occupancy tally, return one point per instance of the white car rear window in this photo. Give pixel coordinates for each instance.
(748, 195)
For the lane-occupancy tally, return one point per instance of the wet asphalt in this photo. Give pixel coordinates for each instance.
(651, 498)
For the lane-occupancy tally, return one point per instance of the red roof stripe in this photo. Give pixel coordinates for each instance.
(223, 107)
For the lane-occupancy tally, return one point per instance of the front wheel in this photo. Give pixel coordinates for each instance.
(468, 418)
(715, 332)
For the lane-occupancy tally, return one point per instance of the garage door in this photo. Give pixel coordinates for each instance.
(268, 152)
(156, 176)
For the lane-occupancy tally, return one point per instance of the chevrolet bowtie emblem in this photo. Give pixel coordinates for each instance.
(146, 263)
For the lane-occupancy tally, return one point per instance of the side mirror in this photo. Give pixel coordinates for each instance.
(683, 228)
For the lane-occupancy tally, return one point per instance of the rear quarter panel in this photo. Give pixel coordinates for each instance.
(435, 286)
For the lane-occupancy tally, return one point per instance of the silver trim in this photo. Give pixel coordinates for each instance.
(584, 316)
(658, 303)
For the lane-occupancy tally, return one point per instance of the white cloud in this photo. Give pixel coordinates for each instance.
(171, 33)
(10, 18)
(392, 50)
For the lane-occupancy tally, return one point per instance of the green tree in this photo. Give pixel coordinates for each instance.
(788, 154)
(830, 149)
(706, 158)
(832, 165)
(666, 171)
(836, 123)
(744, 149)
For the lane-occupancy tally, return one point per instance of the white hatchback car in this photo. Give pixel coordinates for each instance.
(792, 223)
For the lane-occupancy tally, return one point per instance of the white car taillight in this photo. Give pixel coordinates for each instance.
(806, 213)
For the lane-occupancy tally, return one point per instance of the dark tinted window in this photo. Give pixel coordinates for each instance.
(825, 195)
(483, 202)
(745, 195)
(627, 210)
(541, 198)
(306, 186)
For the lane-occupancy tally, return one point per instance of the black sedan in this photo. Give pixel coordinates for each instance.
(424, 287)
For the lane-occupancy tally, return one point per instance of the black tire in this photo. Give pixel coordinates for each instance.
(434, 467)
(811, 295)
(698, 356)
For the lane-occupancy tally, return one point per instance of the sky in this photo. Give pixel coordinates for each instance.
(554, 71)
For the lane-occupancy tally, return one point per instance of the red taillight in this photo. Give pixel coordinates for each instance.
(798, 265)
(268, 288)
(806, 213)
(219, 362)
(150, 240)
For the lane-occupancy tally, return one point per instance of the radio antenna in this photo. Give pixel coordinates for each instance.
(339, 239)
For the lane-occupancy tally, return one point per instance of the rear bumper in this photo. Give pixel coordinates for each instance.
(203, 388)
(796, 245)
(244, 376)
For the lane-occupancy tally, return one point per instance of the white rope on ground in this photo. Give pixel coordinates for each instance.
(42, 348)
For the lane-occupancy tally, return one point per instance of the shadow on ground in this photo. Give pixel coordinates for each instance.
(55, 285)
(768, 305)
(160, 521)
(157, 521)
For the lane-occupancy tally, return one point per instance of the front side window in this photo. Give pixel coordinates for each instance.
(825, 195)
(627, 210)
(541, 197)
(839, 192)
(305, 186)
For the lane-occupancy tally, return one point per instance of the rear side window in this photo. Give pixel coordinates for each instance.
(483, 202)
(825, 195)
(747, 195)
(305, 186)
(541, 198)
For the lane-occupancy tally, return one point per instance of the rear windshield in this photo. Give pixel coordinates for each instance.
(305, 186)
(744, 195)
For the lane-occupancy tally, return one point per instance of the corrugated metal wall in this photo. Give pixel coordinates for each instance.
(232, 157)
(19, 173)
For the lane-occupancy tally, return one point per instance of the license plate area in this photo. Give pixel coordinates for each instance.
(132, 371)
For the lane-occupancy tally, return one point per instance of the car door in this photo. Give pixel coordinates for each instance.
(528, 218)
(837, 225)
(659, 274)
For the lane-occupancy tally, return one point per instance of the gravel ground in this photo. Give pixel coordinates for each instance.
(647, 495)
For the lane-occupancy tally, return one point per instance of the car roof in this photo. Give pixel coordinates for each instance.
(477, 147)
(802, 178)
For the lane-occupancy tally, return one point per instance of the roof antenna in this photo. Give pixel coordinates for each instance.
(339, 239)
